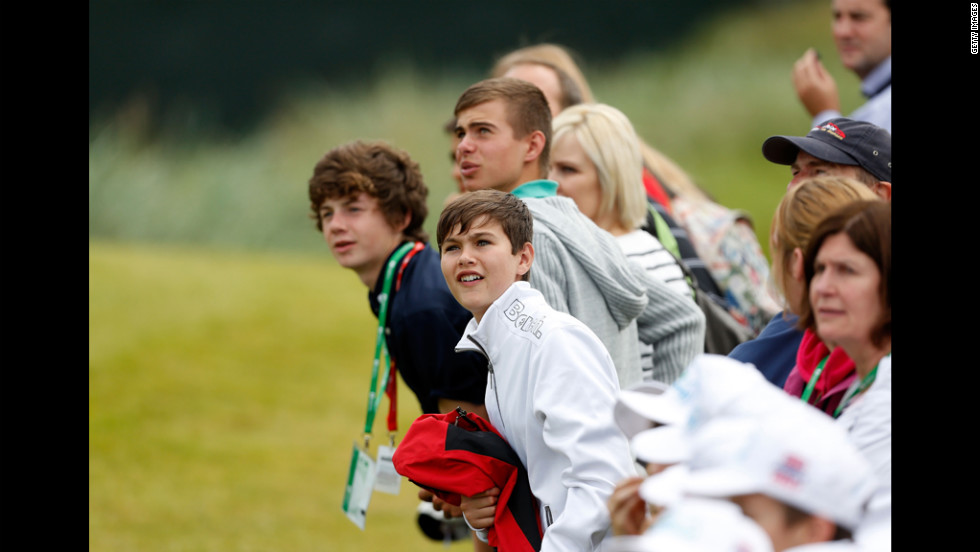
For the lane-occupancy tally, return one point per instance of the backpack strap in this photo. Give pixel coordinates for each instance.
(722, 331)
(656, 225)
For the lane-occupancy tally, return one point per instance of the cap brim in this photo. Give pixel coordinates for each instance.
(636, 411)
(720, 483)
(696, 525)
(667, 444)
(783, 150)
(666, 487)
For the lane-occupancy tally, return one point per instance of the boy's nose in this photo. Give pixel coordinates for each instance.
(465, 146)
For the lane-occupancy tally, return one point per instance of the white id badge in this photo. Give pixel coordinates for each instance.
(388, 480)
(360, 483)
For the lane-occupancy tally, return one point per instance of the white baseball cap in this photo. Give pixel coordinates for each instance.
(666, 444)
(715, 385)
(800, 457)
(635, 410)
(665, 488)
(697, 525)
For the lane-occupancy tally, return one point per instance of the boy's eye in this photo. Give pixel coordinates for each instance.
(483, 242)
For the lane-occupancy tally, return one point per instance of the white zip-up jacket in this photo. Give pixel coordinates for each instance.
(550, 392)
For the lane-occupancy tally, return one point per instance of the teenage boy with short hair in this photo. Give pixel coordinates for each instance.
(552, 383)
(504, 131)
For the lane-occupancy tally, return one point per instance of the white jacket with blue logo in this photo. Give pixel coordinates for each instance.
(550, 392)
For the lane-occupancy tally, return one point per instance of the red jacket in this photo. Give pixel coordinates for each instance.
(457, 454)
(655, 190)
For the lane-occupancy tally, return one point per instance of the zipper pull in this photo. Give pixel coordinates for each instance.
(460, 413)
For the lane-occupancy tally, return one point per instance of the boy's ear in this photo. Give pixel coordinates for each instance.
(405, 221)
(535, 143)
(526, 258)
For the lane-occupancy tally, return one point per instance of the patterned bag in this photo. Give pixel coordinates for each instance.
(726, 242)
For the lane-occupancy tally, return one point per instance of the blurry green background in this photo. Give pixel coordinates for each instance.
(229, 355)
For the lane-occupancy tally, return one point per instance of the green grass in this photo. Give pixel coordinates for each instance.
(225, 392)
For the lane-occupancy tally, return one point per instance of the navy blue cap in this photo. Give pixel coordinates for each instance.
(841, 140)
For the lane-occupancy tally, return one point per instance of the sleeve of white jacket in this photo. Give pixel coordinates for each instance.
(586, 454)
(673, 324)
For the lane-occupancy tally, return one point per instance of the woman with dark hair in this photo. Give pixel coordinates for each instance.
(848, 266)
(848, 272)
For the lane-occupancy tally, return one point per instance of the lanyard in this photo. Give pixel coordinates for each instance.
(392, 388)
(813, 380)
(402, 254)
(866, 382)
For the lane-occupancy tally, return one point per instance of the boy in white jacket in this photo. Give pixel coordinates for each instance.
(552, 384)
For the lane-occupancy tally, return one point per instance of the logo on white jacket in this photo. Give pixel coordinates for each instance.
(525, 322)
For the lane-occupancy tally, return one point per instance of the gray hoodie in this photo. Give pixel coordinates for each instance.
(581, 270)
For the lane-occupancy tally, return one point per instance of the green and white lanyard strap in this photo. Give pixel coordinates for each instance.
(866, 382)
(402, 254)
(813, 380)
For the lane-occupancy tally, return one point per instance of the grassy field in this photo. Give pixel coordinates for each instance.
(229, 355)
(225, 392)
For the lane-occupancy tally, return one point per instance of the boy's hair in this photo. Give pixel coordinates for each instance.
(868, 224)
(482, 206)
(381, 171)
(527, 108)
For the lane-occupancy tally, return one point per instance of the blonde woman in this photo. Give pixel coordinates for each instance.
(595, 158)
